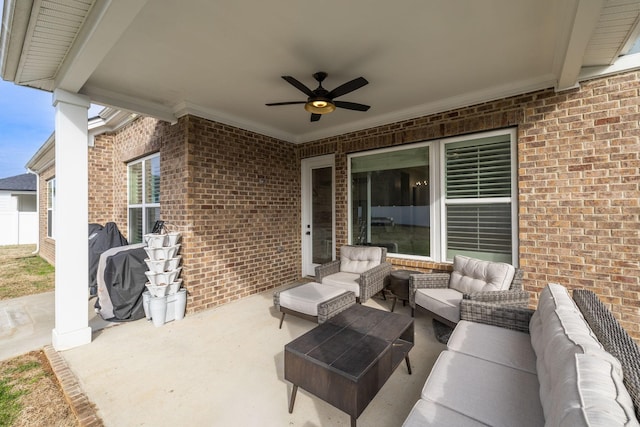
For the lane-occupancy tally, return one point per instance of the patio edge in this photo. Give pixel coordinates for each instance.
(80, 404)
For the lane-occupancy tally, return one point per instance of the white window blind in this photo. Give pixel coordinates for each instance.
(478, 190)
(479, 169)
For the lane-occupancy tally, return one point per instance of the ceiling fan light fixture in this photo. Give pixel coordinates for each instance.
(319, 106)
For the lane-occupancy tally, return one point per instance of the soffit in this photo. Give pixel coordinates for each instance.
(52, 31)
(616, 30)
(223, 60)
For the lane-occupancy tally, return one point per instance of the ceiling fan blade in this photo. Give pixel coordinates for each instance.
(301, 87)
(348, 87)
(286, 103)
(351, 105)
(315, 117)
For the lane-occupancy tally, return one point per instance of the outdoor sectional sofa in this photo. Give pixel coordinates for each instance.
(568, 363)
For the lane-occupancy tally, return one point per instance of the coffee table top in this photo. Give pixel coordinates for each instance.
(352, 341)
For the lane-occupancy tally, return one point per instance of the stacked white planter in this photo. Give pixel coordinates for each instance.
(165, 299)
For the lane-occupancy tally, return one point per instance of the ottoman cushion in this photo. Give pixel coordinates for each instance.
(305, 298)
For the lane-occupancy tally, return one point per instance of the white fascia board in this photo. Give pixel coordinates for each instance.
(15, 21)
(106, 23)
(570, 53)
(130, 104)
(44, 156)
(624, 63)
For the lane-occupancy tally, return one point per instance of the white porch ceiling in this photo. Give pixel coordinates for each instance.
(223, 59)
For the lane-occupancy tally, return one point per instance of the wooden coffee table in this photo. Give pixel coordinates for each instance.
(346, 360)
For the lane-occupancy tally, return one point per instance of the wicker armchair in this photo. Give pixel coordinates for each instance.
(360, 269)
(436, 293)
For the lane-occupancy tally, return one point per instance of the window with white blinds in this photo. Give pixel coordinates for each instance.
(478, 189)
(435, 199)
(144, 196)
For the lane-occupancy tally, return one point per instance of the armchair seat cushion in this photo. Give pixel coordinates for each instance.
(344, 280)
(445, 302)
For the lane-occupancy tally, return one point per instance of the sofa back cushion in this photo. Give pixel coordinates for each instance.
(358, 259)
(572, 391)
(473, 275)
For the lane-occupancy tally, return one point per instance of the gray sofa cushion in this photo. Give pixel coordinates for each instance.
(488, 392)
(428, 413)
(593, 395)
(575, 373)
(472, 275)
(499, 345)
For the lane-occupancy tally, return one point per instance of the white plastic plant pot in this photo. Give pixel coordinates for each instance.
(163, 278)
(173, 274)
(146, 296)
(153, 277)
(174, 287)
(158, 310)
(159, 290)
(174, 238)
(173, 263)
(155, 240)
(156, 278)
(156, 266)
(166, 252)
(180, 304)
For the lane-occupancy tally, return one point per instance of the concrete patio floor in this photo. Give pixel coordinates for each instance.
(225, 367)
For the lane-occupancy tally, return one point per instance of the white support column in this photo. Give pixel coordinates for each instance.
(71, 221)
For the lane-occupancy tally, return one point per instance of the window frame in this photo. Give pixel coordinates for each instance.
(144, 205)
(51, 208)
(437, 192)
(513, 199)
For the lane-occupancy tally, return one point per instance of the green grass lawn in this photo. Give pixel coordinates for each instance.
(23, 273)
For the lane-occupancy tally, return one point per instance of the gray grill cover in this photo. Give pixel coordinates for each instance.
(100, 239)
(121, 282)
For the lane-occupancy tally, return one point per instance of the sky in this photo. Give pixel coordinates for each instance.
(26, 121)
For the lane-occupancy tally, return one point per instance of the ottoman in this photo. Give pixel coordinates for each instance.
(313, 301)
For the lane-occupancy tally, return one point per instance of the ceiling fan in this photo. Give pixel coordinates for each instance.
(321, 101)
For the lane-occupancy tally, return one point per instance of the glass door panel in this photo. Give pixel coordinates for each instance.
(322, 214)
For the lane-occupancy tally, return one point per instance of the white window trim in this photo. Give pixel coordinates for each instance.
(142, 205)
(432, 209)
(512, 132)
(51, 233)
(437, 206)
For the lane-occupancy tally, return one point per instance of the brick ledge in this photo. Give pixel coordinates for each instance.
(81, 406)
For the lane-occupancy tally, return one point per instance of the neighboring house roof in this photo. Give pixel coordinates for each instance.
(24, 182)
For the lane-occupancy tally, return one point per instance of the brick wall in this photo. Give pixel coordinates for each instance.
(233, 194)
(236, 195)
(579, 172)
(244, 213)
(578, 176)
(101, 181)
